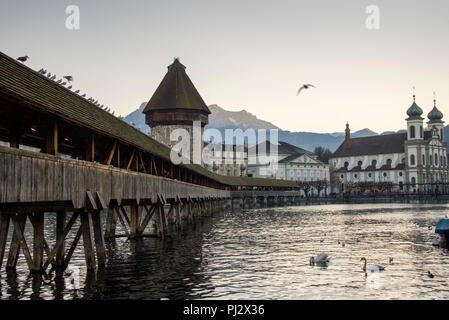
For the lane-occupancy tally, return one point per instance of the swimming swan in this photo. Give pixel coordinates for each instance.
(372, 268)
(322, 258)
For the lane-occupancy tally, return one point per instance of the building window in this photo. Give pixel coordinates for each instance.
(436, 159)
(360, 163)
(355, 175)
(369, 175)
(441, 160)
(342, 176)
(412, 160)
(346, 164)
(413, 181)
(385, 174)
(423, 160)
(420, 131)
(400, 174)
(389, 162)
(441, 134)
(374, 163)
(412, 131)
(430, 160)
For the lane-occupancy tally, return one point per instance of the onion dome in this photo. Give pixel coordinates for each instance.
(435, 114)
(414, 110)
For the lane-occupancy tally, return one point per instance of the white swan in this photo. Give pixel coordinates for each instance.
(322, 258)
(372, 268)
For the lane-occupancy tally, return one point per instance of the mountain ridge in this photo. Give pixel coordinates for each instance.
(222, 119)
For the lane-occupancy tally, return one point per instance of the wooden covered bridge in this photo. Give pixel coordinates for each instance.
(61, 153)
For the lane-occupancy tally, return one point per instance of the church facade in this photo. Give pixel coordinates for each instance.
(415, 161)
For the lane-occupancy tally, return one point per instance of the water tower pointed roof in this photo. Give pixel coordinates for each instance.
(176, 91)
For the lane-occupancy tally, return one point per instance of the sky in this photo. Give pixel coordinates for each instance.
(251, 55)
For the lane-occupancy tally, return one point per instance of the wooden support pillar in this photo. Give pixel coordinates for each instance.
(118, 156)
(38, 245)
(111, 222)
(135, 219)
(14, 248)
(90, 148)
(60, 226)
(87, 241)
(52, 138)
(73, 247)
(19, 224)
(98, 236)
(4, 227)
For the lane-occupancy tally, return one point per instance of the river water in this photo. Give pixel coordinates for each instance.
(263, 254)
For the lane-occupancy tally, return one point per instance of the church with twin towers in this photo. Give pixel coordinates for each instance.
(415, 161)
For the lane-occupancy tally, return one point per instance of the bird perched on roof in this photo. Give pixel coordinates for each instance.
(305, 86)
(84, 95)
(23, 59)
(54, 77)
(59, 81)
(69, 87)
(41, 71)
(64, 83)
(429, 274)
(77, 91)
(49, 75)
(113, 112)
(68, 78)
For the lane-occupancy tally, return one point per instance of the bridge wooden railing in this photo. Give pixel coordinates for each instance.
(27, 176)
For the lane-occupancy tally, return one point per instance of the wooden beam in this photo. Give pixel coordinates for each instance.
(98, 237)
(111, 223)
(90, 148)
(118, 156)
(60, 225)
(142, 163)
(87, 241)
(38, 245)
(60, 241)
(73, 247)
(14, 248)
(122, 222)
(52, 137)
(146, 220)
(135, 219)
(22, 242)
(111, 154)
(131, 159)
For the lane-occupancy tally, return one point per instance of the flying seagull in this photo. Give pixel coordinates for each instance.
(305, 86)
(68, 78)
(23, 59)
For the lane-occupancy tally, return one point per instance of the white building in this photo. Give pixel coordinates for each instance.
(292, 163)
(415, 161)
(227, 160)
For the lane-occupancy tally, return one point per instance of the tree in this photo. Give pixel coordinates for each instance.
(323, 154)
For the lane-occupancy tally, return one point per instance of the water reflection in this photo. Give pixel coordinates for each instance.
(262, 254)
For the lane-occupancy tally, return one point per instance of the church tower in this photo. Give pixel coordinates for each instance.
(176, 104)
(415, 122)
(435, 122)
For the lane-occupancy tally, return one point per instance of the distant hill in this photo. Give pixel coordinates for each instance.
(222, 119)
